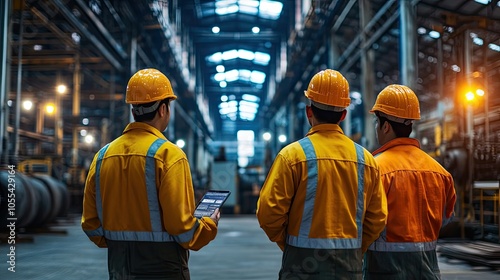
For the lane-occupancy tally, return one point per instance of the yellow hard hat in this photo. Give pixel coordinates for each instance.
(398, 102)
(148, 85)
(330, 90)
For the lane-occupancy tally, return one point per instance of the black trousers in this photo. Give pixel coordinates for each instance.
(319, 264)
(134, 260)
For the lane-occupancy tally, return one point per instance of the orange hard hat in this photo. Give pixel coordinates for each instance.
(330, 89)
(148, 85)
(398, 102)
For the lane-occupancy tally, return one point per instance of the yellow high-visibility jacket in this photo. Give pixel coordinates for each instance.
(323, 192)
(139, 188)
(420, 197)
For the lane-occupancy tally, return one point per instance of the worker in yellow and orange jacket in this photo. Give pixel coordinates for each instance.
(323, 202)
(420, 193)
(139, 198)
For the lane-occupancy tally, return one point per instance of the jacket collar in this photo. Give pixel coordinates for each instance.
(325, 127)
(397, 142)
(145, 127)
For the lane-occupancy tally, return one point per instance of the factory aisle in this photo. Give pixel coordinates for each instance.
(240, 251)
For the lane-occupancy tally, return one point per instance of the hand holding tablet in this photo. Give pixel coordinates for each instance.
(212, 200)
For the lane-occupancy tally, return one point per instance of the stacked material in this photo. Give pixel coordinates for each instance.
(475, 252)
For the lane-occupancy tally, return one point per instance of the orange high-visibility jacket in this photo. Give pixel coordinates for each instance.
(139, 188)
(420, 197)
(323, 191)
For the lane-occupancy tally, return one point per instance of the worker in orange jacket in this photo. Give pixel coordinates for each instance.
(139, 198)
(323, 202)
(420, 193)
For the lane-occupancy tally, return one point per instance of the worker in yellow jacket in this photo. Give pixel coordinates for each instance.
(420, 193)
(323, 202)
(139, 198)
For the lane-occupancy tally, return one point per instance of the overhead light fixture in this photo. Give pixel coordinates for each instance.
(266, 136)
(255, 30)
(421, 30)
(484, 2)
(215, 29)
(180, 143)
(494, 47)
(27, 105)
(434, 34)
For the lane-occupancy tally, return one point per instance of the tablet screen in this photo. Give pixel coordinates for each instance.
(212, 200)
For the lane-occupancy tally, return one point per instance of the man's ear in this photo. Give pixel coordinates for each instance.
(386, 128)
(162, 110)
(344, 113)
(309, 112)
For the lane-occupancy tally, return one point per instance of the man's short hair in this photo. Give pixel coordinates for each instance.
(325, 116)
(150, 116)
(400, 129)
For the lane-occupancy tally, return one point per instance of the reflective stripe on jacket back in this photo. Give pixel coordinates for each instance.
(303, 239)
(157, 234)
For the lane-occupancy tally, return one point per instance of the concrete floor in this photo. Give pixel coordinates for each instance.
(240, 251)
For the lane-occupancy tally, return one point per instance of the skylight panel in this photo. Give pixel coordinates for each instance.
(216, 57)
(245, 74)
(224, 3)
(232, 75)
(248, 109)
(270, 9)
(231, 54)
(258, 77)
(249, 10)
(250, 97)
(225, 9)
(219, 77)
(246, 54)
(249, 104)
(249, 3)
(262, 58)
(247, 116)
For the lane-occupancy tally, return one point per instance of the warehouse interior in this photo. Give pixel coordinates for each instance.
(239, 69)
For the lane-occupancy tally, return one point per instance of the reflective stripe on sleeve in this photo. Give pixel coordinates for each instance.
(95, 232)
(98, 198)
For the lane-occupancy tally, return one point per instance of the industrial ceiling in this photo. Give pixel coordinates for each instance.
(107, 40)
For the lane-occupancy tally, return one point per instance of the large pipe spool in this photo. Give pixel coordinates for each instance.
(39, 199)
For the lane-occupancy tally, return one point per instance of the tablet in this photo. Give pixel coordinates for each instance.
(212, 200)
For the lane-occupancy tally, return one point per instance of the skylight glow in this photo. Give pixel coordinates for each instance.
(264, 8)
(270, 9)
(255, 77)
(257, 57)
(262, 58)
(484, 2)
(250, 97)
(258, 77)
(246, 54)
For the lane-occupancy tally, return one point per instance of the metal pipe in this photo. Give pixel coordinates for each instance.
(99, 46)
(407, 46)
(76, 109)
(19, 85)
(4, 78)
